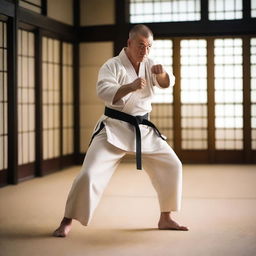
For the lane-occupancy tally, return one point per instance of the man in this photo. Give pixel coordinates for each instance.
(126, 84)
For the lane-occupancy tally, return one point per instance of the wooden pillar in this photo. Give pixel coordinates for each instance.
(211, 100)
(39, 103)
(176, 98)
(246, 100)
(12, 59)
(76, 81)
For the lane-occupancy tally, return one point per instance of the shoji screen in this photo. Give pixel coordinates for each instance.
(67, 99)
(3, 97)
(225, 9)
(51, 98)
(162, 107)
(228, 93)
(142, 11)
(253, 8)
(92, 57)
(26, 97)
(253, 92)
(193, 94)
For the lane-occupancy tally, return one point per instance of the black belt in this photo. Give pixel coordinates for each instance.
(135, 121)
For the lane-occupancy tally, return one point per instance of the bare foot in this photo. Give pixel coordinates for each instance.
(64, 228)
(166, 223)
(171, 225)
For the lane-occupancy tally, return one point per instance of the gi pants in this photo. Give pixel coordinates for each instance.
(101, 160)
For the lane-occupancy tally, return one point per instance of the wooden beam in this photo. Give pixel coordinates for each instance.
(210, 100)
(176, 98)
(76, 83)
(76, 98)
(122, 26)
(246, 100)
(246, 9)
(204, 10)
(76, 13)
(39, 103)
(44, 7)
(97, 33)
(204, 28)
(12, 58)
(66, 32)
(7, 8)
(171, 29)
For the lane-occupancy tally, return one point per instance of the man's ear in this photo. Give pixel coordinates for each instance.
(128, 42)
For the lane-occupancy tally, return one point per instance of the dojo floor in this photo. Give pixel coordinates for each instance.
(219, 206)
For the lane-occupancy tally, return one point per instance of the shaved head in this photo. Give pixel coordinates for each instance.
(141, 30)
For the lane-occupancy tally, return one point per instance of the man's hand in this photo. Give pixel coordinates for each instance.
(157, 69)
(161, 76)
(138, 84)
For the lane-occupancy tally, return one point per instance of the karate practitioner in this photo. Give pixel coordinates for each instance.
(126, 85)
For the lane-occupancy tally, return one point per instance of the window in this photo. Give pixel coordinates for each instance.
(142, 11)
(161, 53)
(26, 97)
(228, 93)
(253, 8)
(225, 9)
(51, 98)
(3, 97)
(162, 107)
(67, 99)
(193, 94)
(253, 91)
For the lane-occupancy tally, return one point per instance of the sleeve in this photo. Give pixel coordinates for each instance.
(107, 84)
(172, 79)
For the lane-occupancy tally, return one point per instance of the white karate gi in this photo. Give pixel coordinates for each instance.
(118, 138)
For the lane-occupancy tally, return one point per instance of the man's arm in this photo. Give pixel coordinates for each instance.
(125, 89)
(162, 77)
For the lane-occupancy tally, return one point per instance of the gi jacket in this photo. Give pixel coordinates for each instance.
(114, 73)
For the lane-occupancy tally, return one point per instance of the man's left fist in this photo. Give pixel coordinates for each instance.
(157, 69)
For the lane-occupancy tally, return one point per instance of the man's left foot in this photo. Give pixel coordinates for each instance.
(171, 225)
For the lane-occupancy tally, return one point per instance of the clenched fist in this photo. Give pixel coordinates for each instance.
(138, 83)
(162, 76)
(157, 69)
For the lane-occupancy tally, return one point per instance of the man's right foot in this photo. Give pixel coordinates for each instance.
(63, 229)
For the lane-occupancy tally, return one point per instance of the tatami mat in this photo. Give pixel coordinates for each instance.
(219, 206)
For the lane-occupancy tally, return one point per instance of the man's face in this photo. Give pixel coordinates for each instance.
(139, 47)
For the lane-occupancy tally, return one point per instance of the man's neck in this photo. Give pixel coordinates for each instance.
(136, 65)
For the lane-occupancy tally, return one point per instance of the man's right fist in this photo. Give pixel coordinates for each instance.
(139, 83)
